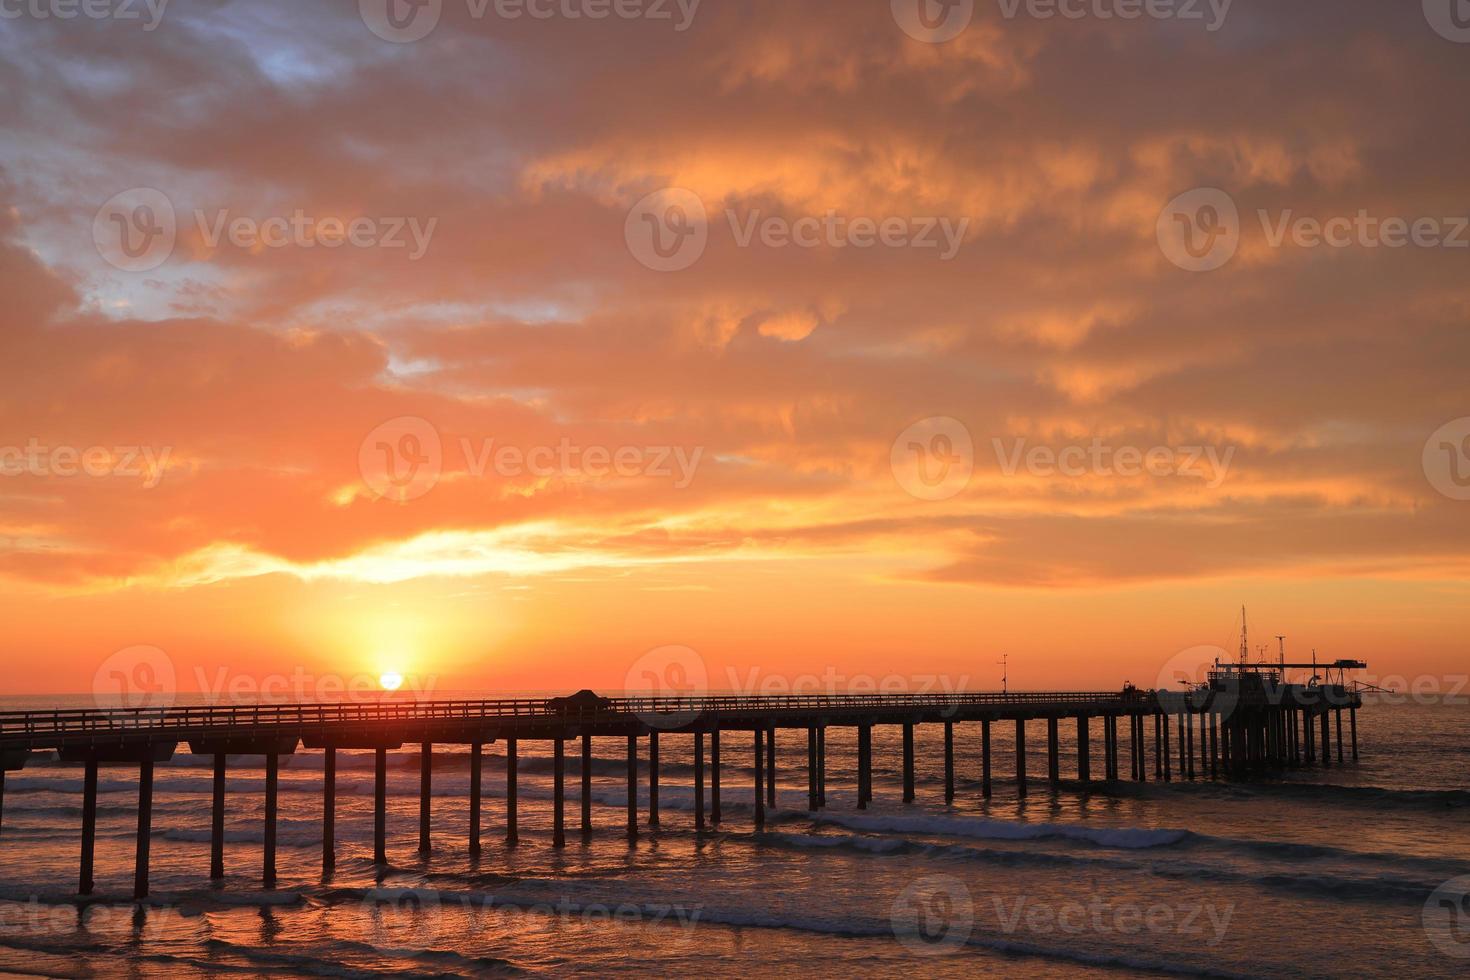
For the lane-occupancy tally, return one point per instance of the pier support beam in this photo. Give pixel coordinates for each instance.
(1214, 745)
(272, 804)
(380, 806)
(985, 789)
(1340, 759)
(865, 765)
(1189, 740)
(329, 809)
(811, 770)
(698, 781)
(145, 829)
(758, 738)
(426, 792)
(652, 776)
(217, 821)
(714, 776)
(1053, 763)
(89, 827)
(1353, 718)
(633, 787)
(949, 762)
(586, 799)
(1021, 757)
(1084, 749)
(1167, 752)
(1326, 740)
(1140, 743)
(512, 830)
(908, 762)
(771, 768)
(822, 767)
(559, 793)
(477, 766)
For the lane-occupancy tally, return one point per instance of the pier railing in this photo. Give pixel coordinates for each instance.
(88, 721)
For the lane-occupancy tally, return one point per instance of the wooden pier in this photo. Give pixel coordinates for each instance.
(1221, 733)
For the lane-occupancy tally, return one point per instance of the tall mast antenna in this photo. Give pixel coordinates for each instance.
(1245, 650)
(1005, 673)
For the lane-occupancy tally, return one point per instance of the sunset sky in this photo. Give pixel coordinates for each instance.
(317, 421)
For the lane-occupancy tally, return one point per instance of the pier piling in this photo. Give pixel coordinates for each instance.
(380, 807)
(272, 803)
(771, 767)
(985, 789)
(652, 775)
(1021, 757)
(760, 792)
(1053, 766)
(586, 797)
(217, 821)
(329, 809)
(426, 792)
(512, 829)
(633, 787)
(559, 793)
(822, 767)
(949, 762)
(145, 829)
(89, 827)
(477, 766)
(908, 762)
(714, 776)
(1084, 749)
(698, 781)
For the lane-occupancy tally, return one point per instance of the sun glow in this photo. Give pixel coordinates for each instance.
(391, 681)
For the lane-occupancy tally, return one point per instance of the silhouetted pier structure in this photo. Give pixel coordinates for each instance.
(1228, 727)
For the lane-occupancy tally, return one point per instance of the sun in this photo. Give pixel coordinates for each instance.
(391, 681)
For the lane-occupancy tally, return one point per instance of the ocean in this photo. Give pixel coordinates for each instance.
(1358, 870)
